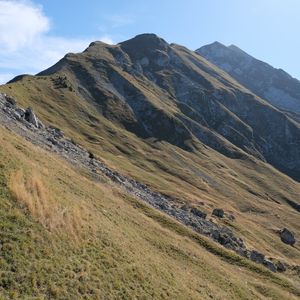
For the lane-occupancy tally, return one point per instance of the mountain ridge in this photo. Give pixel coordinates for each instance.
(274, 85)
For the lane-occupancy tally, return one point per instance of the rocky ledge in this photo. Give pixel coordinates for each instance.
(25, 123)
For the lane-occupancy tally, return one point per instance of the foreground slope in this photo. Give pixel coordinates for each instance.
(67, 235)
(274, 85)
(167, 117)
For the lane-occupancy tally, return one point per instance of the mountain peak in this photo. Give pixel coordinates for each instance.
(97, 43)
(217, 44)
(271, 84)
(144, 45)
(149, 38)
(215, 48)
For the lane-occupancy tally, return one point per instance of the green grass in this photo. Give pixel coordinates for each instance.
(125, 249)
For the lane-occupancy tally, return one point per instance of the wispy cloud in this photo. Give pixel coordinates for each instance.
(26, 45)
(113, 22)
(118, 20)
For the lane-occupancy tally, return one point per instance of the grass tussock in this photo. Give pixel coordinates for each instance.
(32, 194)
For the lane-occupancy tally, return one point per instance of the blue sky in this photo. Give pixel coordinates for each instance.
(34, 34)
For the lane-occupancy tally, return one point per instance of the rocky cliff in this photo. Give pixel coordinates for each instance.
(275, 85)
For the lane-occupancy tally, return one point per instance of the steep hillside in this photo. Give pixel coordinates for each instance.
(65, 235)
(168, 118)
(274, 85)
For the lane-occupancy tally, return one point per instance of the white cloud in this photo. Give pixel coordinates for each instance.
(20, 24)
(38, 56)
(25, 43)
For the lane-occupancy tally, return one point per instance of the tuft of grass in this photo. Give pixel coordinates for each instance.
(31, 193)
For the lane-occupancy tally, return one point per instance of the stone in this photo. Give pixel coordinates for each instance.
(224, 239)
(257, 257)
(270, 265)
(58, 133)
(184, 207)
(31, 118)
(10, 101)
(243, 252)
(20, 112)
(281, 267)
(231, 217)
(215, 234)
(161, 58)
(218, 212)
(195, 211)
(17, 115)
(41, 125)
(287, 237)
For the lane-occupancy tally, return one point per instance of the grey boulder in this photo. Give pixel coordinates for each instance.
(287, 237)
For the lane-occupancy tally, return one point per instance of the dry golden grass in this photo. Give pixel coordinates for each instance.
(31, 193)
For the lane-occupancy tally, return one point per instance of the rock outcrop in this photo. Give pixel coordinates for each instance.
(287, 237)
(28, 115)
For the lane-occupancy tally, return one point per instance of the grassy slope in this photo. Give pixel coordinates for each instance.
(254, 192)
(64, 236)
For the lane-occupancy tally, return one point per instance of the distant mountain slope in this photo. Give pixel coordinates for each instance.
(167, 92)
(274, 85)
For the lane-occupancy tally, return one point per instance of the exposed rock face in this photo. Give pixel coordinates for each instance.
(274, 85)
(287, 237)
(28, 115)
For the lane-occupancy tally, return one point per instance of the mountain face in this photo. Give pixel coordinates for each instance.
(274, 85)
(169, 93)
(143, 170)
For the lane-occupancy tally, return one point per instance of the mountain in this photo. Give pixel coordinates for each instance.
(162, 91)
(274, 85)
(147, 121)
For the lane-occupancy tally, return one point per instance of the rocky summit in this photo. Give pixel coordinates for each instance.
(274, 85)
(148, 170)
